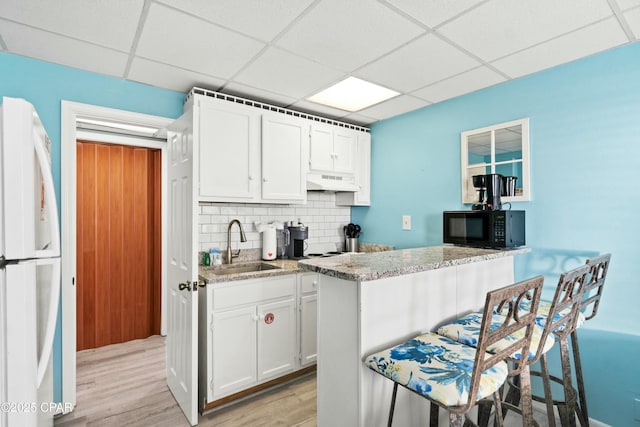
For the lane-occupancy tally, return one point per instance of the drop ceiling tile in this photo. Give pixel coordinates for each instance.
(107, 23)
(287, 74)
(393, 107)
(627, 4)
(633, 19)
(256, 94)
(257, 18)
(461, 84)
(169, 77)
(348, 34)
(45, 46)
(433, 12)
(589, 40)
(319, 110)
(194, 44)
(359, 119)
(501, 27)
(421, 62)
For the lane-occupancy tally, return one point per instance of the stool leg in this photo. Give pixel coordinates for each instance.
(569, 396)
(583, 413)
(548, 394)
(525, 396)
(433, 415)
(393, 403)
(484, 412)
(499, 421)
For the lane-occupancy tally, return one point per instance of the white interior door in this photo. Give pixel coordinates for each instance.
(182, 296)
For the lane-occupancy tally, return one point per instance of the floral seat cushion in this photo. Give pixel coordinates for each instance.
(466, 330)
(438, 368)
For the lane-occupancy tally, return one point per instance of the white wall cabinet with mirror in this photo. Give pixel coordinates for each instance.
(503, 149)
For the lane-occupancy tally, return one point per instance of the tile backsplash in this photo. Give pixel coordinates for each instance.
(324, 219)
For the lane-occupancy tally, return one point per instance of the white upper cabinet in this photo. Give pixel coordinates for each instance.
(362, 197)
(250, 152)
(229, 141)
(333, 149)
(285, 142)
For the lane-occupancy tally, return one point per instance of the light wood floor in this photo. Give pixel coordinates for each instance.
(125, 385)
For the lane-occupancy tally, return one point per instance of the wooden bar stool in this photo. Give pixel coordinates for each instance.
(455, 376)
(563, 309)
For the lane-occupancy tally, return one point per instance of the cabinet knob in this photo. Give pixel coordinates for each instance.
(314, 283)
(264, 179)
(255, 318)
(250, 178)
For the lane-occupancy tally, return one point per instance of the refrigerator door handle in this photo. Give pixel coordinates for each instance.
(50, 198)
(47, 343)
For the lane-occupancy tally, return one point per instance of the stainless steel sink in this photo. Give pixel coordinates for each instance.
(243, 268)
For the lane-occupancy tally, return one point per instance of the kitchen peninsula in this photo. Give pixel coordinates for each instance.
(367, 302)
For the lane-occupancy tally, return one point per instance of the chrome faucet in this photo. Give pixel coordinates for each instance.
(243, 238)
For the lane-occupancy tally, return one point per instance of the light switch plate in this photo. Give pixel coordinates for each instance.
(406, 222)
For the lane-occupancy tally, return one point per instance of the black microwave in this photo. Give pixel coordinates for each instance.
(485, 229)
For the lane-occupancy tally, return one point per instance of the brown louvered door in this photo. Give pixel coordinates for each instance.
(118, 243)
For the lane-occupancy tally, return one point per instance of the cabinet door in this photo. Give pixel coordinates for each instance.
(321, 148)
(362, 197)
(234, 350)
(229, 141)
(308, 329)
(284, 153)
(344, 150)
(276, 338)
(363, 170)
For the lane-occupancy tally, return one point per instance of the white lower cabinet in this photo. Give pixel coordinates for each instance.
(308, 293)
(276, 338)
(234, 341)
(250, 332)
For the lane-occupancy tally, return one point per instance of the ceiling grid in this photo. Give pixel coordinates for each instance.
(281, 52)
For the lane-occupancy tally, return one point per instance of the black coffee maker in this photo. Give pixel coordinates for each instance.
(489, 192)
(298, 235)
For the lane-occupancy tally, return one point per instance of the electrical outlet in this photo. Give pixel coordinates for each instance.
(406, 222)
(637, 410)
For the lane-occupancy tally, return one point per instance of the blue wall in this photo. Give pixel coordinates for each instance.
(585, 175)
(45, 85)
(585, 170)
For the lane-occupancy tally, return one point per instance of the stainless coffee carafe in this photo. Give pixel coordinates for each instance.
(493, 182)
(282, 242)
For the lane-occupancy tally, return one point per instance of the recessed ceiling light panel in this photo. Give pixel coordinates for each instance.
(353, 94)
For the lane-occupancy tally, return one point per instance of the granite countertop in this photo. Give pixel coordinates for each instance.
(371, 266)
(285, 266)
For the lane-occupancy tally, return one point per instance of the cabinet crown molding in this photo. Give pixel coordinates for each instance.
(232, 98)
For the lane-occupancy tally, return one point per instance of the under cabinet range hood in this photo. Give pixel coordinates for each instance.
(331, 182)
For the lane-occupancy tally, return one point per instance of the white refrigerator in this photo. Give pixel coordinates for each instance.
(29, 267)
